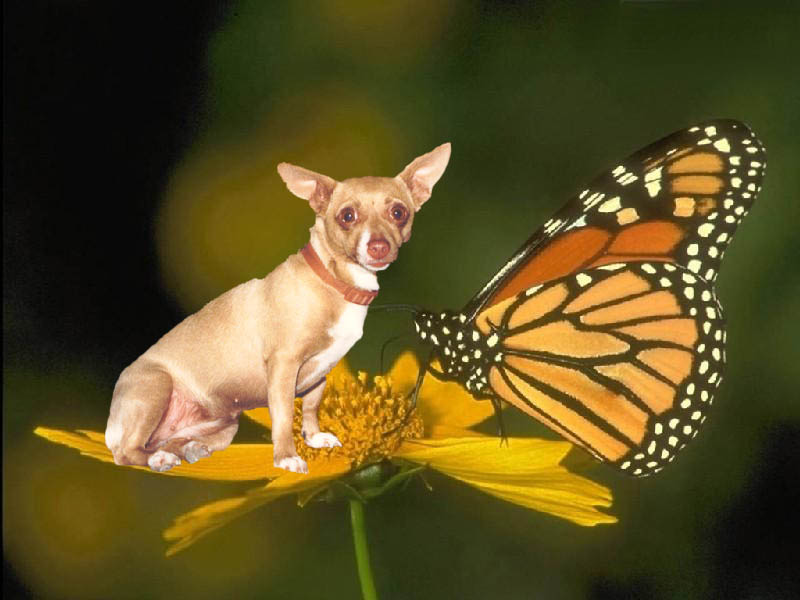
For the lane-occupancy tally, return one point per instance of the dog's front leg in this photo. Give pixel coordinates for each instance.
(282, 378)
(311, 433)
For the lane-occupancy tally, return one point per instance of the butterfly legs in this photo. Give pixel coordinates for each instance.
(497, 404)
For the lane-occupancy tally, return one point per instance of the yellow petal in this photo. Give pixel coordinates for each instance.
(260, 416)
(440, 403)
(190, 527)
(404, 373)
(446, 431)
(238, 462)
(527, 472)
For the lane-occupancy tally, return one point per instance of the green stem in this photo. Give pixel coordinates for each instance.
(362, 552)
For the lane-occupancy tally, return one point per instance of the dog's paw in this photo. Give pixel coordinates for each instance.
(194, 451)
(322, 440)
(295, 464)
(162, 460)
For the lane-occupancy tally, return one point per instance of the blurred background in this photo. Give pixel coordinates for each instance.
(140, 142)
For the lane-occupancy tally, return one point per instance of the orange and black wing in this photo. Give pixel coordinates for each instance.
(622, 359)
(679, 200)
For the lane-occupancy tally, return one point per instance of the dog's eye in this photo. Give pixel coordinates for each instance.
(399, 213)
(347, 216)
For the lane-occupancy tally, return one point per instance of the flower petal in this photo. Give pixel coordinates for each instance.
(238, 462)
(527, 473)
(440, 403)
(260, 416)
(404, 373)
(190, 527)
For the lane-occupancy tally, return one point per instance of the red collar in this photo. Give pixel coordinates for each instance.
(351, 293)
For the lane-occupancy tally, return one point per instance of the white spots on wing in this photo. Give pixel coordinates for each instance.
(705, 229)
(533, 289)
(735, 160)
(722, 145)
(610, 205)
(652, 181)
(552, 225)
(583, 279)
(692, 249)
(618, 171)
(592, 200)
(736, 182)
(711, 131)
(612, 267)
(579, 222)
(648, 268)
(665, 282)
(694, 265)
(627, 215)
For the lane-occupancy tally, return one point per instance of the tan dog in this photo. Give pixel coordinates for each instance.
(269, 340)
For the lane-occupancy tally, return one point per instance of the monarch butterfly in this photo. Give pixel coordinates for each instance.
(605, 324)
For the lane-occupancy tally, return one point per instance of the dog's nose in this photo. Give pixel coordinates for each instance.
(378, 248)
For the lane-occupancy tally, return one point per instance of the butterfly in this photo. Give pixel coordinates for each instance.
(605, 325)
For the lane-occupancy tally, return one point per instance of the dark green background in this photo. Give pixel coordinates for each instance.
(105, 102)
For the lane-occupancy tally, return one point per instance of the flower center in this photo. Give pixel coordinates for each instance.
(370, 421)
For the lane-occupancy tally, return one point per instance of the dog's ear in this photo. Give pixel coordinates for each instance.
(423, 172)
(305, 184)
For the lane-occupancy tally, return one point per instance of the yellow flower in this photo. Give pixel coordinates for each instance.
(377, 435)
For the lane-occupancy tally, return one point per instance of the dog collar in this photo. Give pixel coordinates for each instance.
(351, 293)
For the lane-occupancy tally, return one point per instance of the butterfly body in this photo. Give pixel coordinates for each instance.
(605, 325)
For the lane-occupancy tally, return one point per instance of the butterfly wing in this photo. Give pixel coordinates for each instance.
(622, 359)
(679, 200)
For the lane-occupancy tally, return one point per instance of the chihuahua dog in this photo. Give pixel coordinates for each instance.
(269, 340)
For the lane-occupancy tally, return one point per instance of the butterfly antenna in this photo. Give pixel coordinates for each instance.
(385, 344)
(396, 307)
(414, 395)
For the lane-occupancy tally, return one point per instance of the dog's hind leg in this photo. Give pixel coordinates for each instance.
(140, 399)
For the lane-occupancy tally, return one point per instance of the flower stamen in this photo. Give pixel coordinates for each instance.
(370, 421)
